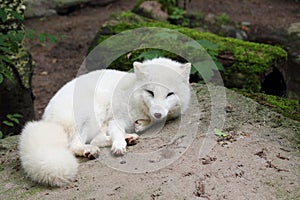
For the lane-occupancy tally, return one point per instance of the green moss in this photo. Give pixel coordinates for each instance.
(32, 191)
(18, 191)
(8, 143)
(283, 192)
(287, 107)
(11, 175)
(251, 59)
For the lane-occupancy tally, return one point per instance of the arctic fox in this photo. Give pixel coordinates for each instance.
(98, 109)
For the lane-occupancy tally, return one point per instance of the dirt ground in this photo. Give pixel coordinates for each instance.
(268, 14)
(185, 160)
(257, 161)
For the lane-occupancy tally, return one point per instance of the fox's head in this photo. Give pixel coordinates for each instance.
(163, 86)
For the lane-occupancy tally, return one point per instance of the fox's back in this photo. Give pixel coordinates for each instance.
(79, 95)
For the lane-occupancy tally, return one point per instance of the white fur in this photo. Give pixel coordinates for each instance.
(44, 154)
(98, 109)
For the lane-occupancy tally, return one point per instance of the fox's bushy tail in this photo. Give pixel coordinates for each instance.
(44, 154)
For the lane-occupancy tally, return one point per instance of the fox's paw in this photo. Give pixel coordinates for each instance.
(141, 124)
(131, 139)
(91, 152)
(118, 147)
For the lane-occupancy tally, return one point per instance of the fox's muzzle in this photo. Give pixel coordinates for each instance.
(158, 112)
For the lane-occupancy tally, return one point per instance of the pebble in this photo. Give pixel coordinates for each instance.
(245, 23)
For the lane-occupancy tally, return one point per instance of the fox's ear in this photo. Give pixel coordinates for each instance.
(137, 69)
(136, 65)
(186, 70)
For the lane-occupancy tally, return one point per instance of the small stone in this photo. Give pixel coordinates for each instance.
(210, 18)
(294, 28)
(122, 162)
(9, 186)
(229, 108)
(153, 8)
(246, 24)
(44, 73)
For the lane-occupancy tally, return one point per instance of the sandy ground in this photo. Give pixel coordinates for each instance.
(184, 160)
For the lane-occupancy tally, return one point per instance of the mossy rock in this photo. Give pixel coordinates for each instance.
(245, 63)
(251, 60)
(287, 107)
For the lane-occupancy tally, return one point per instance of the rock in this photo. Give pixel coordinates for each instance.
(211, 18)
(249, 66)
(293, 69)
(152, 9)
(39, 8)
(245, 23)
(42, 8)
(294, 29)
(101, 2)
(289, 39)
(68, 3)
(236, 55)
(231, 31)
(256, 128)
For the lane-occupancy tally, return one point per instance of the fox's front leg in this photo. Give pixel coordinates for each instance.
(141, 125)
(116, 130)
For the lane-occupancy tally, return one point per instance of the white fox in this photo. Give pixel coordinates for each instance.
(97, 110)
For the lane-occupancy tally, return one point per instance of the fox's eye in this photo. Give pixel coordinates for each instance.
(150, 92)
(170, 94)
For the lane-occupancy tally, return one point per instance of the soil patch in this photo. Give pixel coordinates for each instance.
(257, 162)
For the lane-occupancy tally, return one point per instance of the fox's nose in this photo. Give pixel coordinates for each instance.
(157, 115)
